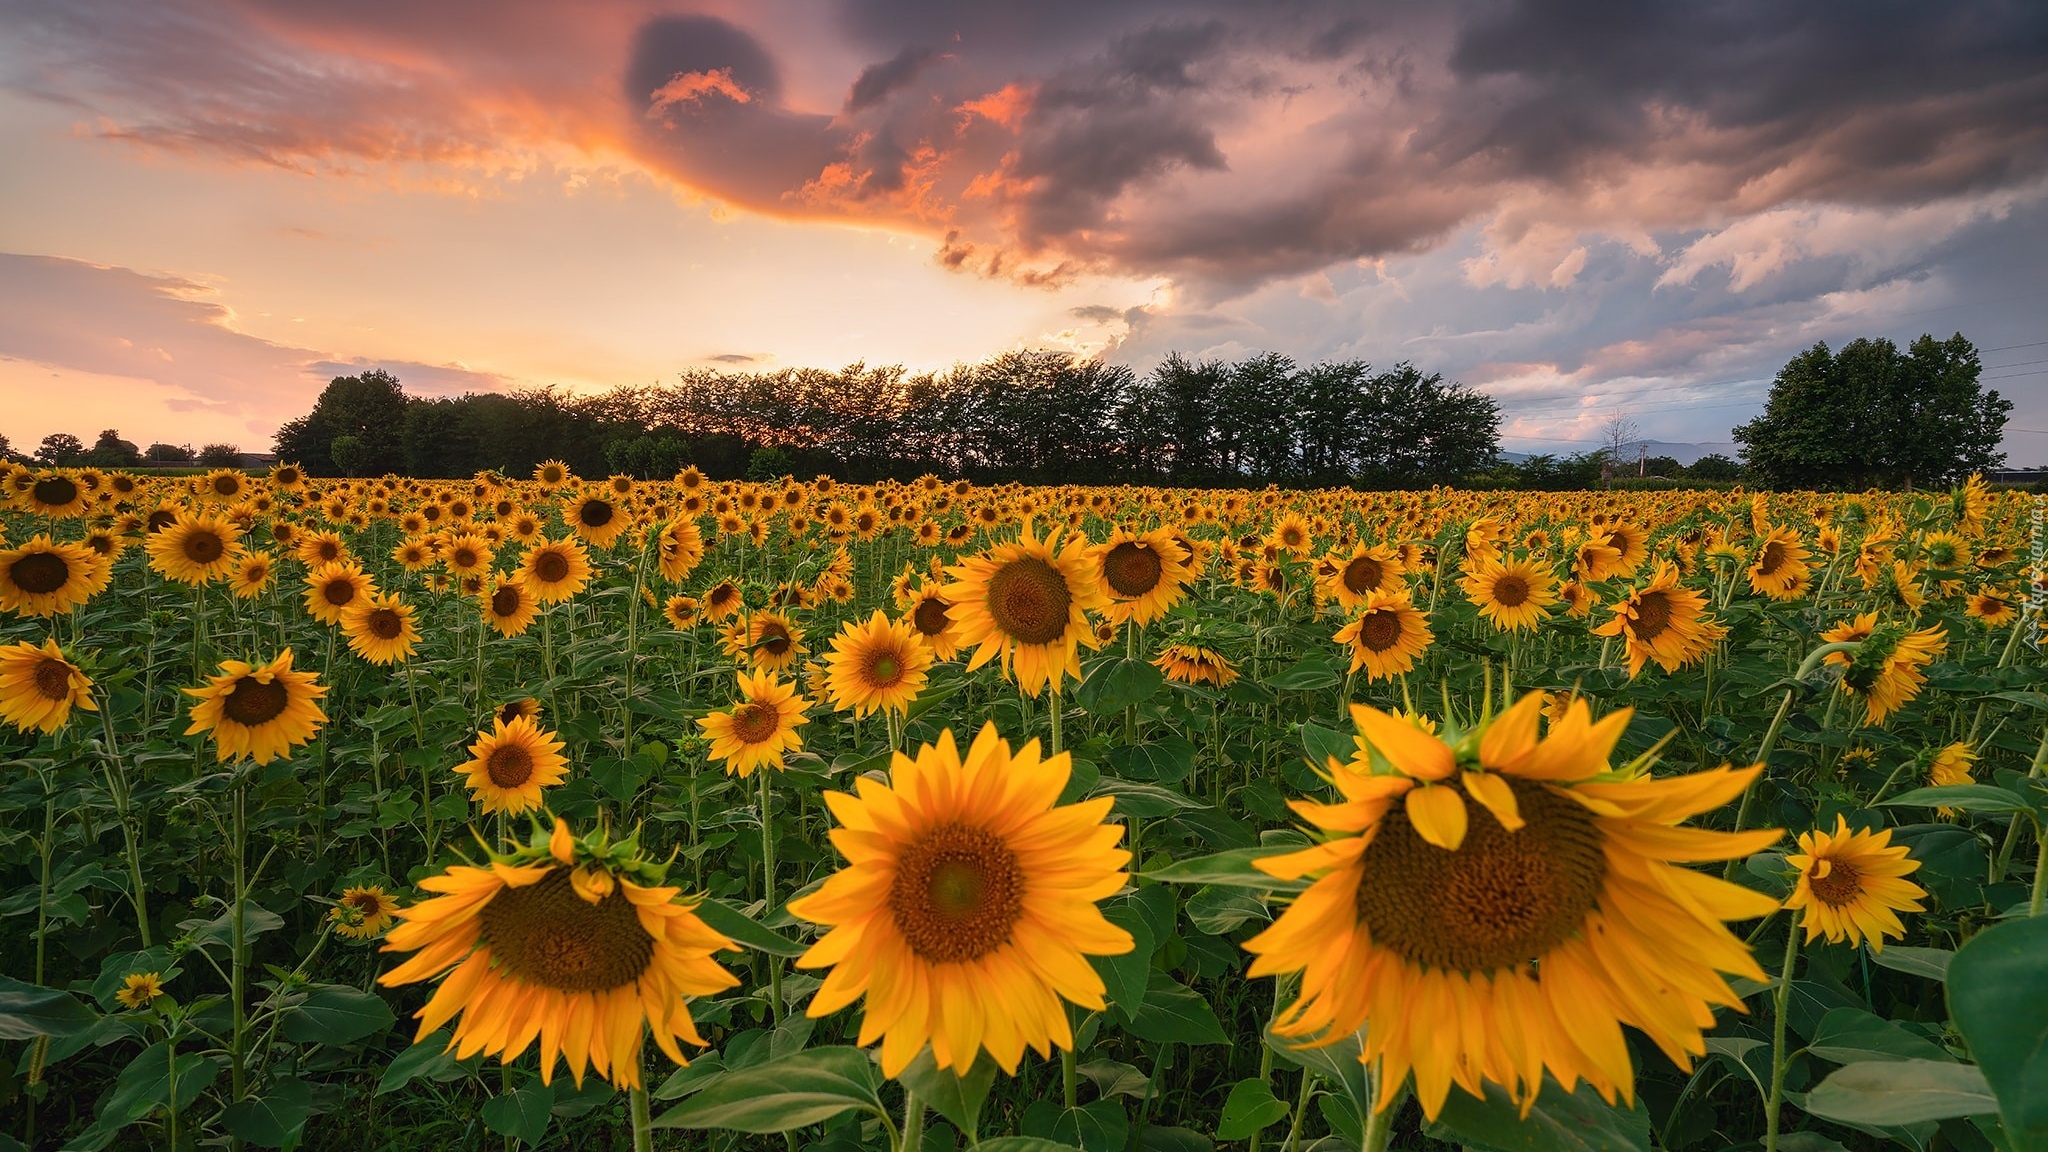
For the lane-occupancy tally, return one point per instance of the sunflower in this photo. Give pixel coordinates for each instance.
(877, 665)
(681, 612)
(1780, 570)
(722, 600)
(770, 642)
(1885, 668)
(1369, 568)
(967, 909)
(1596, 559)
(1518, 904)
(1387, 635)
(513, 762)
(1945, 550)
(1991, 607)
(140, 989)
(414, 553)
(1028, 603)
(363, 912)
(595, 518)
(258, 713)
(221, 486)
(509, 606)
(380, 629)
(574, 942)
(1630, 543)
(1194, 664)
(1291, 534)
(197, 549)
(1142, 573)
(679, 549)
(42, 578)
(333, 588)
(928, 613)
(1513, 594)
(322, 546)
(554, 570)
(512, 710)
(39, 687)
(1664, 622)
(761, 728)
(287, 477)
(1951, 766)
(54, 494)
(466, 555)
(552, 474)
(1853, 885)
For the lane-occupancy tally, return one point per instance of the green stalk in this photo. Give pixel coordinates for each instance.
(239, 943)
(1780, 999)
(768, 893)
(1763, 752)
(643, 1134)
(913, 1121)
(117, 785)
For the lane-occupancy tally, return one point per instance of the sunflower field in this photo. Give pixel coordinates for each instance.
(605, 814)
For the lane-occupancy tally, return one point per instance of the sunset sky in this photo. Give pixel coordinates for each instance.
(210, 207)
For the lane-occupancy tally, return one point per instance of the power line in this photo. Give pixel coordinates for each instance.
(2003, 367)
(2017, 375)
(2010, 347)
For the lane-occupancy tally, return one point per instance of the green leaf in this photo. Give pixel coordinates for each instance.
(336, 1014)
(1251, 1107)
(1127, 976)
(1338, 1063)
(1144, 800)
(1323, 743)
(1023, 1144)
(1889, 1093)
(1100, 1126)
(1312, 673)
(1850, 1035)
(957, 1098)
(1115, 1078)
(1929, 962)
(522, 1113)
(27, 1011)
(143, 1086)
(1114, 685)
(694, 1076)
(621, 780)
(1174, 1014)
(1169, 760)
(1216, 909)
(273, 1120)
(431, 1058)
(1965, 797)
(1998, 997)
(1232, 868)
(746, 931)
(782, 1094)
(220, 930)
(1559, 1122)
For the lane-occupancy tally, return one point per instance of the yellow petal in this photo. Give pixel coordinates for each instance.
(1499, 799)
(1409, 749)
(1438, 814)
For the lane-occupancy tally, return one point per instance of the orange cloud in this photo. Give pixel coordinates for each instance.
(691, 87)
(1006, 106)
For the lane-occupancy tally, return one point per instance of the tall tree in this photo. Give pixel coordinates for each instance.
(370, 408)
(110, 451)
(60, 449)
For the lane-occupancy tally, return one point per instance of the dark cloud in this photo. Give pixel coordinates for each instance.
(879, 80)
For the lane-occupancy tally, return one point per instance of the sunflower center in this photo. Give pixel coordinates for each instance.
(546, 934)
(226, 485)
(39, 573)
(385, 624)
(54, 490)
(464, 558)
(594, 514)
(253, 703)
(884, 670)
(204, 546)
(1501, 900)
(505, 601)
(339, 592)
(1362, 575)
(1772, 559)
(1131, 569)
(755, 723)
(1653, 615)
(930, 616)
(53, 680)
(509, 766)
(1380, 631)
(1839, 887)
(774, 638)
(160, 520)
(1511, 591)
(551, 567)
(328, 551)
(958, 891)
(1029, 600)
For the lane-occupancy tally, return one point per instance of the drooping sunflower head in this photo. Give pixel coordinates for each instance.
(574, 942)
(258, 713)
(1852, 885)
(510, 765)
(1885, 670)
(39, 686)
(43, 578)
(761, 728)
(1196, 664)
(876, 665)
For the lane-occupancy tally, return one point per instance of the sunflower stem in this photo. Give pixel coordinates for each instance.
(1379, 1119)
(238, 1063)
(913, 1121)
(768, 895)
(643, 1133)
(117, 783)
(1780, 999)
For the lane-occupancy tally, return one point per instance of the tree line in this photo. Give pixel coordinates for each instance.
(63, 450)
(1035, 417)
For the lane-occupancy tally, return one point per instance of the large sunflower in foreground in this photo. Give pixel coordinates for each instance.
(1142, 574)
(1488, 906)
(1663, 621)
(1853, 885)
(574, 943)
(512, 763)
(761, 728)
(1388, 635)
(967, 908)
(876, 665)
(42, 578)
(256, 712)
(1028, 603)
(39, 686)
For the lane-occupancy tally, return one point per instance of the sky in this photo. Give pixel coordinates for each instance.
(1589, 210)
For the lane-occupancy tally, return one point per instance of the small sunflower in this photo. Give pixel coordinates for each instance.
(555, 570)
(928, 613)
(363, 912)
(876, 665)
(258, 713)
(1142, 573)
(761, 728)
(596, 518)
(552, 474)
(1949, 766)
(1387, 636)
(681, 612)
(722, 599)
(967, 909)
(513, 762)
(679, 549)
(1663, 621)
(140, 989)
(39, 686)
(1194, 664)
(321, 546)
(1512, 594)
(380, 629)
(1992, 607)
(1853, 885)
(509, 606)
(333, 588)
(769, 641)
(253, 573)
(1028, 603)
(512, 710)
(467, 554)
(574, 942)
(1780, 570)
(42, 578)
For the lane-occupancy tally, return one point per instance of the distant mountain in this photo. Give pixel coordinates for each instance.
(1685, 454)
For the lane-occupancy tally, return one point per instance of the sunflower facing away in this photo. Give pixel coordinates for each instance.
(39, 687)
(761, 728)
(1194, 664)
(363, 912)
(1664, 622)
(42, 578)
(509, 606)
(1489, 906)
(1028, 603)
(258, 713)
(513, 762)
(1853, 885)
(555, 570)
(1387, 636)
(1884, 671)
(574, 943)
(1143, 575)
(876, 665)
(1513, 594)
(380, 629)
(967, 908)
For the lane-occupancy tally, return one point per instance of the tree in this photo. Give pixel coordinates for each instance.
(371, 408)
(1713, 466)
(110, 451)
(61, 449)
(349, 454)
(6, 448)
(168, 454)
(220, 456)
(1873, 416)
